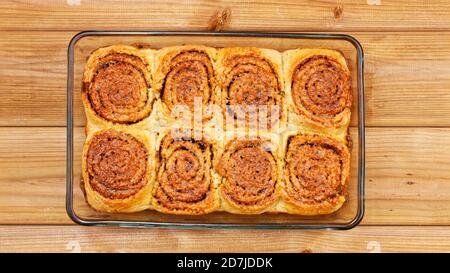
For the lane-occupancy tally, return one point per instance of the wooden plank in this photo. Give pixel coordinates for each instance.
(287, 15)
(32, 180)
(407, 176)
(33, 76)
(406, 76)
(406, 79)
(104, 239)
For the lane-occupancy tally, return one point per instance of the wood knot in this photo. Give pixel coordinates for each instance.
(410, 182)
(338, 12)
(220, 20)
(307, 250)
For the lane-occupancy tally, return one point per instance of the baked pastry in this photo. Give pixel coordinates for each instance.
(184, 76)
(185, 183)
(249, 174)
(251, 86)
(318, 87)
(116, 85)
(316, 174)
(118, 170)
(283, 146)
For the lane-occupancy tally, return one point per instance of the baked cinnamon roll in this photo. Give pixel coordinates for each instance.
(315, 175)
(116, 85)
(251, 87)
(249, 176)
(118, 171)
(185, 184)
(185, 76)
(318, 86)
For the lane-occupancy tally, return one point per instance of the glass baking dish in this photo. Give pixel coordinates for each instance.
(84, 43)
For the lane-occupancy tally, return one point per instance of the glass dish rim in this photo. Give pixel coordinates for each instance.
(126, 223)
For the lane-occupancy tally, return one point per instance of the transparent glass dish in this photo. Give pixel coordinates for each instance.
(84, 43)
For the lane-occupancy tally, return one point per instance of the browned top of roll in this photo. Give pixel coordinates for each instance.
(116, 164)
(250, 171)
(252, 82)
(184, 176)
(190, 75)
(322, 86)
(315, 167)
(118, 91)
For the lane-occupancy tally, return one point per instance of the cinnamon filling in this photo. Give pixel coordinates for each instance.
(116, 164)
(322, 86)
(191, 74)
(250, 83)
(314, 171)
(184, 176)
(119, 91)
(250, 173)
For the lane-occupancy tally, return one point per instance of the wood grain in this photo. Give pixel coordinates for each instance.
(407, 54)
(287, 15)
(32, 179)
(407, 176)
(102, 239)
(33, 77)
(407, 78)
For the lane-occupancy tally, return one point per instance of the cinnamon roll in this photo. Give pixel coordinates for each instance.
(185, 184)
(118, 171)
(251, 87)
(318, 86)
(116, 85)
(185, 77)
(315, 175)
(249, 176)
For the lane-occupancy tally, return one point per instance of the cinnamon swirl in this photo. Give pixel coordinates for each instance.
(185, 184)
(116, 85)
(315, 175)
(117, 171)
(249, 176)
(251, 86)
(318, 86)
(184, 76)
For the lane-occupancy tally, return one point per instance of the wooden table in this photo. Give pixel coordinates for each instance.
(407, 50)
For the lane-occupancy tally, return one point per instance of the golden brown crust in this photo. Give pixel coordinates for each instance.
(316, 174)
(250, 80)
(185, 184)
(318, 86)
(116, 85)
(118, 170)
(249, 176)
